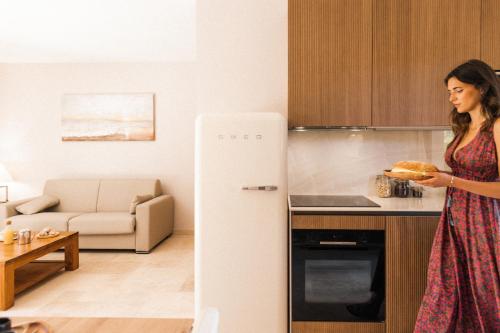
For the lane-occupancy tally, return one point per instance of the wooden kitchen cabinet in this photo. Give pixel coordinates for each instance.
(382, 63)
(408, 245)
(490, 29)
(416, 43)
(330, 62)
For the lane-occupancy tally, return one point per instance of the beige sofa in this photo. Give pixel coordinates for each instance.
(99, 210)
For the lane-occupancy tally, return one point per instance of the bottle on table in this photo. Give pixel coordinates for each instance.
(8, 233)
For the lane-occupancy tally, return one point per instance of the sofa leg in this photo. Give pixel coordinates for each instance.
(142, 252)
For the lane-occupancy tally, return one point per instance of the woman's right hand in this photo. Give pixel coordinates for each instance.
(439, 179)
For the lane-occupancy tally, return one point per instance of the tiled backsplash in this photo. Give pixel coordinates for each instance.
(346, 162)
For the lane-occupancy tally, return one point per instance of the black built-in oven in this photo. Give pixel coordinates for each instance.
(338, 275)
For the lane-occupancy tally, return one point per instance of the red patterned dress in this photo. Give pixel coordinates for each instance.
(463, 279)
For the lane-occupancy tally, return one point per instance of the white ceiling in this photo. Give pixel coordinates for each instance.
(46, 31)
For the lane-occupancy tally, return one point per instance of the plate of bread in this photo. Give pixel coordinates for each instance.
(411, 170)
(47, 233)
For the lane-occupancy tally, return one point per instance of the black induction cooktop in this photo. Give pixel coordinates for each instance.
(331, 201)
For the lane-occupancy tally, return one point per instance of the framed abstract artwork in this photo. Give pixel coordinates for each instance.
(108, 117)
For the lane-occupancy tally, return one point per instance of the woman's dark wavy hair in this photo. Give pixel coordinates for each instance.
(479, 74)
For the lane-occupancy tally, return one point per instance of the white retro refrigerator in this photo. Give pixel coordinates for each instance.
(241, 220)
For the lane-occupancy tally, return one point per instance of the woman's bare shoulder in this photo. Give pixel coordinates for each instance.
(496, 130)
(496, 125)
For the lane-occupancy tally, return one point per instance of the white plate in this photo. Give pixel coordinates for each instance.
(48, 236)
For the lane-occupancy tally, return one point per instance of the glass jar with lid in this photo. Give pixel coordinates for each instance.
(383, 186)
(416, 191)
(402, 188)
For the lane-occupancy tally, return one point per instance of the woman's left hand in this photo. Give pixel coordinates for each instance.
(439, 179)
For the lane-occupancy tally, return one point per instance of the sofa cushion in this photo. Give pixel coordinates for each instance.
(138, 199)
(104, 223)
(115, 195)
(38, 204)
(75, 195)
(36, 222)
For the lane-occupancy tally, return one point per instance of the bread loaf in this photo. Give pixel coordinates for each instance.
(411, 170)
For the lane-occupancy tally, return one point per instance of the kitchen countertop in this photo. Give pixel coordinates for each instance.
(426, 206)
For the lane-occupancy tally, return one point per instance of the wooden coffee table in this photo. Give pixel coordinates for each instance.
(19, 271)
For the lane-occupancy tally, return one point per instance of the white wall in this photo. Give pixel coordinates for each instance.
(241, 65)
(30, 127)
(344, 162)
(243, 56)
(54, 31)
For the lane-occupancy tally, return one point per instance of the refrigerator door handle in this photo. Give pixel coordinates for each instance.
(260, 188)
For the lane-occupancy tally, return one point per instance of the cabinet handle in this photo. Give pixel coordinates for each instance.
(338, 243)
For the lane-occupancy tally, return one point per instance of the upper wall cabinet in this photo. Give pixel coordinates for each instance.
(490, 31)
(330, 62)
(416, 43)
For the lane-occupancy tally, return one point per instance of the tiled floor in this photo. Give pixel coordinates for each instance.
(118, 284)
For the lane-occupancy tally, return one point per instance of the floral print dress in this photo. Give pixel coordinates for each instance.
(463, 279)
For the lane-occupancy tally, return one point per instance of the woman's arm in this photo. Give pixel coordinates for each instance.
(488, 189)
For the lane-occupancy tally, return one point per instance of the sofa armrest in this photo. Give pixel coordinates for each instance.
(154, 222)
(8, 209)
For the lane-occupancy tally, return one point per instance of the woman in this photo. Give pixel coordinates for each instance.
(463, 279)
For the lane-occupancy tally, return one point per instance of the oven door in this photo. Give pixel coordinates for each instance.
(338, 280)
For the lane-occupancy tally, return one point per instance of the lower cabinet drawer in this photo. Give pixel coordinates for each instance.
(338, 222)
(336, 327)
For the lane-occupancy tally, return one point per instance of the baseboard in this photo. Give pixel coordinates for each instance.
(183, 232)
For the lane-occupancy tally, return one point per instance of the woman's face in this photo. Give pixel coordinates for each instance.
(464, 96)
